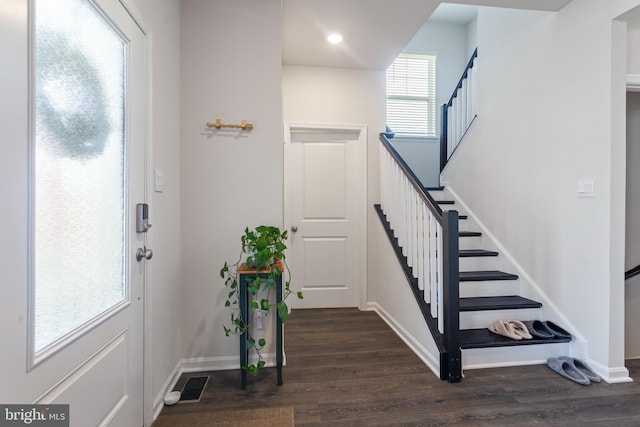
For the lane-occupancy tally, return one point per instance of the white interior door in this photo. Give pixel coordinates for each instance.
(323, 187)
(84, 332)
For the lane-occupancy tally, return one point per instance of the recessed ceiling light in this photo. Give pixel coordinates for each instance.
(335, 38)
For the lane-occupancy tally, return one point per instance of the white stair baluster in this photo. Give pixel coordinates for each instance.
(420, 242)
(440, 281)
(433, 265)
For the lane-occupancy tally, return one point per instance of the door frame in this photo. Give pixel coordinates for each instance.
(361, 172)
(148, 409)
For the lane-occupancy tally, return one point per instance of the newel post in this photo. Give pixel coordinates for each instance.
(451, 297)
(444, 120)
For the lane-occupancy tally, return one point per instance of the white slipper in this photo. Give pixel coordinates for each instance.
(505, 329)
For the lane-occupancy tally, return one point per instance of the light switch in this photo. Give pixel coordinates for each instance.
(158, 180)
(586, 188)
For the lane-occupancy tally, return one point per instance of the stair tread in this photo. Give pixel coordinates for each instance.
(445, 202)
(440, 188)
(476, 276)
(464, 253)
(470, 234)
(506, 302)
(462, 217)
(482, 338)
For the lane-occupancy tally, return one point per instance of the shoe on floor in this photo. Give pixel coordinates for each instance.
(582, 367)
(567, 370)
(537, 329)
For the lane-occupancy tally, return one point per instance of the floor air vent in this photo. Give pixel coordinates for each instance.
(192, 390)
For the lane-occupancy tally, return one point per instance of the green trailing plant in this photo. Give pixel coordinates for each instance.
(262, 253)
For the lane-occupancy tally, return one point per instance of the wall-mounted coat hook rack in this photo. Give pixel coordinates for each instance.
(219, 125)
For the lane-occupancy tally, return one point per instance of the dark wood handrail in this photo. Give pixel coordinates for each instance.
(632, 273)
(444, 112)
(469, 66)
(415, 182)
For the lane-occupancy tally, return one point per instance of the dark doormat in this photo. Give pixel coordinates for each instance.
(192, 390)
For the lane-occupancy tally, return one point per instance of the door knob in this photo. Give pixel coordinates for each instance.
(294, 228)
(143, 253)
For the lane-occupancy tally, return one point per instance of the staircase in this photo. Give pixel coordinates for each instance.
(486, 293)
(455, 278)
(454, 273)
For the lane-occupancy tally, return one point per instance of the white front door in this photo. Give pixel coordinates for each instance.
(84, 316)
(324, 215)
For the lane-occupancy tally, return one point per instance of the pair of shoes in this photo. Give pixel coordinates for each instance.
(514, 329)
(545, 329)
(574, 369)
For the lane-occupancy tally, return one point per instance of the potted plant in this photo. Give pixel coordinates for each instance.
(263, 254)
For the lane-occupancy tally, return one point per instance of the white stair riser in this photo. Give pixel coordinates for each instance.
(478, 263)
(488, 288)
(482, 319)
(470, 242)
(464, 225)
(477, 358)
(439, 195)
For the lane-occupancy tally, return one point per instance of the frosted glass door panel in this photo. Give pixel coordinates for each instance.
(79, 169)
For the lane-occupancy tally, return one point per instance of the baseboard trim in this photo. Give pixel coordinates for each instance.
(615, 375)
(432, 362)
(169, 384)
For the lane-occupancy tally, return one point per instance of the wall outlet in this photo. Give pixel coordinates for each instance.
(259, 319)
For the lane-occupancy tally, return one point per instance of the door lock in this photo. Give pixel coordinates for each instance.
(143, 253)
(142, 218)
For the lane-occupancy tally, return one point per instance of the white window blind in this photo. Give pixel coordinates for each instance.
(411, 95)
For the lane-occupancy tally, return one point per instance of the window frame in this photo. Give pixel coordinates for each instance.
(410, 93)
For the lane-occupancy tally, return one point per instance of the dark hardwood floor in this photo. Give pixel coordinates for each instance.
(346, 367)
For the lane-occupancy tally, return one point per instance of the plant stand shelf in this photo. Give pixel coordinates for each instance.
(244, 273)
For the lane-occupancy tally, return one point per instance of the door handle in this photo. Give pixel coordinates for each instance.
(143, 253)
(294, 229)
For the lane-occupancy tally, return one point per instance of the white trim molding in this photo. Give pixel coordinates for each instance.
(633, 82)
(430, 360)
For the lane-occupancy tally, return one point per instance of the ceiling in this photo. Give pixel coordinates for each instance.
(460, 14)
(375, 31)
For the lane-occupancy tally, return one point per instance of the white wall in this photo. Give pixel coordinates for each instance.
(633, 46)
(449, 43)
(423, 157)
(394, 299)
(472, 36)
(534, 139)
(231, 69)
(162, 20)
